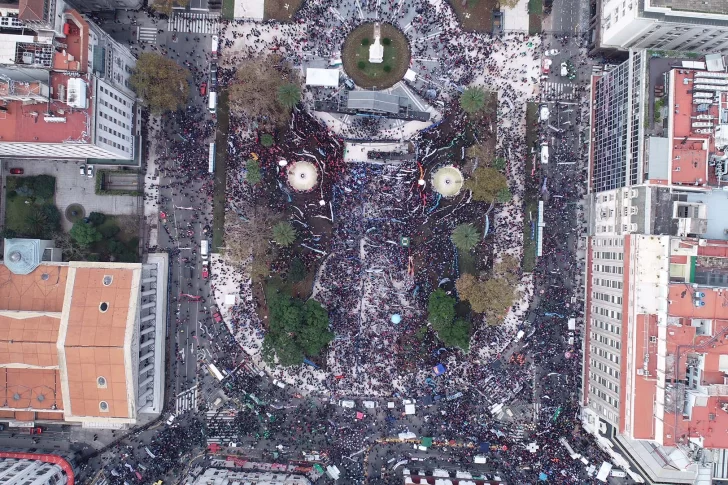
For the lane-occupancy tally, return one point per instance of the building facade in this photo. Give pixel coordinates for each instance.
(80, 342)
(35, 469)
(668, 25)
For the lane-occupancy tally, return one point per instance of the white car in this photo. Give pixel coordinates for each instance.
(370, 404)
(564, 69)
(170, 420)
(278, 383)
(552, 52)
(344, 403)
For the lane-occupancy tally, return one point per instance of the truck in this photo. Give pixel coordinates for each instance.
(212, 102)
(204, 249)
(215, 44)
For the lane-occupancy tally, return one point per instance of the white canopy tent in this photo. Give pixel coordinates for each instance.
(328, 78)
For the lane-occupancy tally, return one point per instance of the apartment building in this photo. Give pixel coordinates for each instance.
(654, 364)
(65, 89)
(668, 25)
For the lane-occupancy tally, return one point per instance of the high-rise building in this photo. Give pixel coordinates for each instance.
(35, 469)
(655, 362)
(668, 25)
(80, 342)
(65, 88)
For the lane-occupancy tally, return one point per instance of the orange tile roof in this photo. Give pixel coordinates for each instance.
(30, 292)
(681, 303)
(23, 388)
(94, 344)
(77, 40)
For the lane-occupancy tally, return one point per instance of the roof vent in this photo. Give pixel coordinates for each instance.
(108, 279)
(103, 307)
(40, 398)
(15, 256)
(16, 397)
(45, 276)
(103, 406)
(101, 381)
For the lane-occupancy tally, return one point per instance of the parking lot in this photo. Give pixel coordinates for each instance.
(74, 188)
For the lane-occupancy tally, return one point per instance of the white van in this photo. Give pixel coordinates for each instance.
(212, 102)
(204, 249)
(347, 404)
(370, 404)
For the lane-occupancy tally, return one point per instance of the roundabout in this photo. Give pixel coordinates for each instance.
(395, 56)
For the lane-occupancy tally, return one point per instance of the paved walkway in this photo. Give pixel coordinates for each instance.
(249, 9)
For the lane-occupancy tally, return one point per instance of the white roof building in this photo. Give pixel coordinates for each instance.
(328, 78)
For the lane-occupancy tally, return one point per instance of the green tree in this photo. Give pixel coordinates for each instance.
(315, 334)
(85, 234)
(283, 347)
(285, 314)
(499, 163)
(252, 172)
(492, 297)
(52, 216)
(289, 95)
(361, 65)
(266, 139)
(35, 223)
(472, 100)
(486, 183)
(465, 237)
(440, 308)
(297, 270)
(96, 218)
(365, 42)
(504, 195)
(455, 334)
(44, 186)
(161, 83)
(284, 234)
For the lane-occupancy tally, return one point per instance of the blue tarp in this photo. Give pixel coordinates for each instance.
(439, 369)
(543, 477)
(484, 447)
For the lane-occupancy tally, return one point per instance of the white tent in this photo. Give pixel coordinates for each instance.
(410, 75)
(409, 409)
(230, 299)
(322, 77)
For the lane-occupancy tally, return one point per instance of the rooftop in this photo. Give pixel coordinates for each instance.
(53, 122)
(33, 292)
(706, 6)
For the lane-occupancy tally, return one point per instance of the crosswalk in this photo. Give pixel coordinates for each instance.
(559, 90)
(186, 401)
(194, 23)
(147, 34)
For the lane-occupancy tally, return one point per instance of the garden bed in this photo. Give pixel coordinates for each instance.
(355, 57)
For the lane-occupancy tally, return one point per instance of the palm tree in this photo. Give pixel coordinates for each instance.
(284, 234)
(464, 237)
(35, 223)
(472, 100)
(289, 95)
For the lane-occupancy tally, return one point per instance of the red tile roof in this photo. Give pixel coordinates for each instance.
(32, 10)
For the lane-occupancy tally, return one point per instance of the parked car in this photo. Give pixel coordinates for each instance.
(205, 272)
(82, 170)
(213, 76)
(203, 88)
(35, 430)
(89, 171)
(16, 171)
(170, 420)
(552, 52)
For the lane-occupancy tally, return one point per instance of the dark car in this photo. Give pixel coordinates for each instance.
(16, 171)
(213, 76)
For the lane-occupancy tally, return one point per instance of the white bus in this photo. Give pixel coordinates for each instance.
(212, 102)
(215, 42)
(204, 249)
(211, 159)
(215, 372)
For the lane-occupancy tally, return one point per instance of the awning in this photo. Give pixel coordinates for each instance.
(322, 77)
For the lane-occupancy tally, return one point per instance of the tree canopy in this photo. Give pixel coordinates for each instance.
(472, 100)
(160, 82)
(455, 334)
(85, 234)
(440, 308)
(296, 329)
(465, 237)
(284, 234)
(255, 91)
(486, 183)
(289, 95)
(247, 241)
(252, 172)
(492, 297)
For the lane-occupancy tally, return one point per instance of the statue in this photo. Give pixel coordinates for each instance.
(376, 50)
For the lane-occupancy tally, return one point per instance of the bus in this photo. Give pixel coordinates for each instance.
(215, 372)
(212, 102)
(211, 159)
(215, 43)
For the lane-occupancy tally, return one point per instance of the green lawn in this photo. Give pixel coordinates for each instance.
(218, 198)
(396, 55)
(535, 7)
(228, 9)
(466, 263)
(22, 210)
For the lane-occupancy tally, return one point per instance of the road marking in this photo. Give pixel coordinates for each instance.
(147, 34)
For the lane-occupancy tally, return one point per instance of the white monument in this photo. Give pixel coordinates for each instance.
(376, 50)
